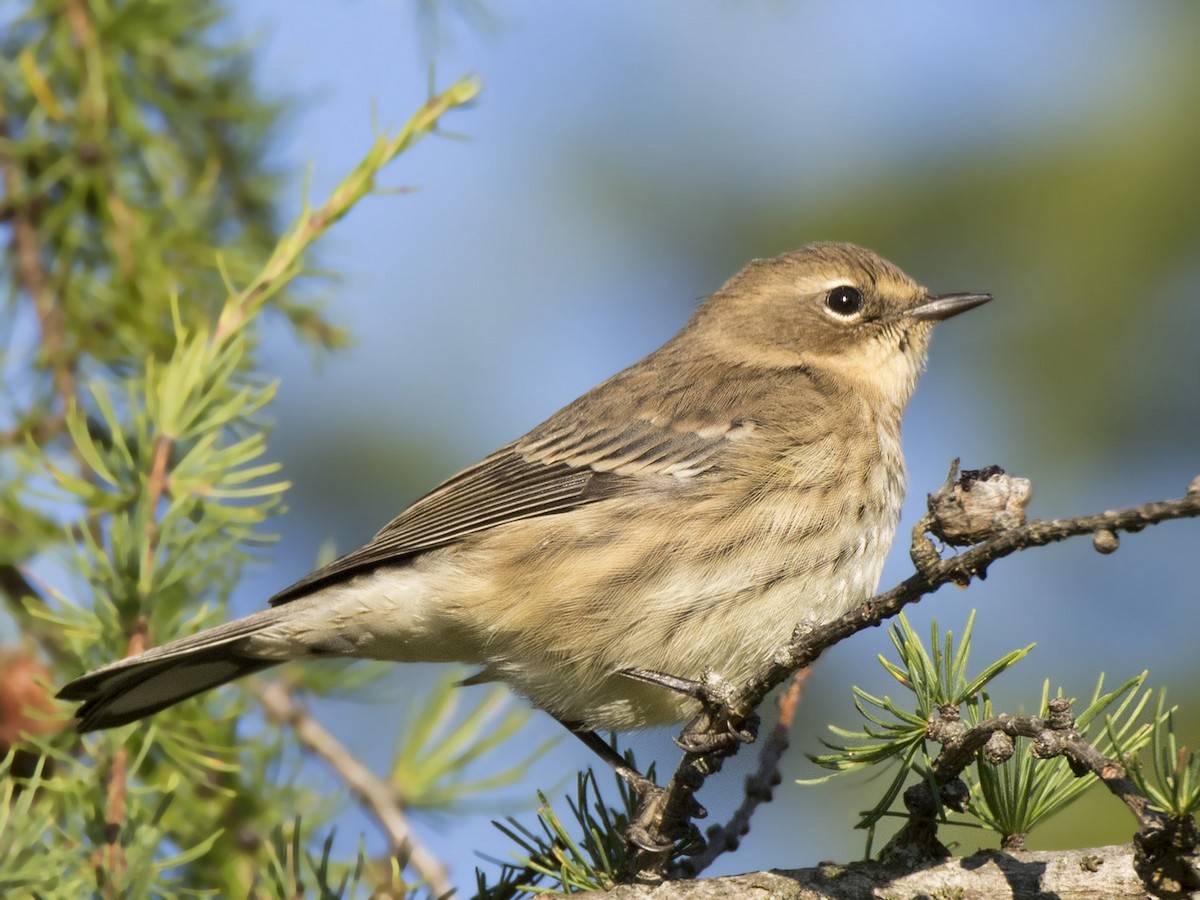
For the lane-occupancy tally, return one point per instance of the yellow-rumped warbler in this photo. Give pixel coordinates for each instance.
(685, 515)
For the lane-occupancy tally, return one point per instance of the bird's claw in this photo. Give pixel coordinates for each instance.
(644, 830)
(721, 735)
(725, 725)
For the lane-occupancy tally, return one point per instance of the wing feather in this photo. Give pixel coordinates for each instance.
(552, 470)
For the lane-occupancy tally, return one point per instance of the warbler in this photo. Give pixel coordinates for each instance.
(683, 517)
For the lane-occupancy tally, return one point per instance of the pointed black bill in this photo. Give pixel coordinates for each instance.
(937, 308)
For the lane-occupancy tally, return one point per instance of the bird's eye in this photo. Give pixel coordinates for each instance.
(844, 301)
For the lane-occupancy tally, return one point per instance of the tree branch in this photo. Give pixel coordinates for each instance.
(112, 866)
(668, 813)
(372, 792)
(1164, 848)
(1106, 872)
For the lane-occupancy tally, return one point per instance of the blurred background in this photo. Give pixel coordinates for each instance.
(624, 159)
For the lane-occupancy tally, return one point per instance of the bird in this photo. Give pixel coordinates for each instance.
(683, 517)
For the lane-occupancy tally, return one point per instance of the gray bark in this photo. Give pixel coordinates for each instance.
(1103, 872)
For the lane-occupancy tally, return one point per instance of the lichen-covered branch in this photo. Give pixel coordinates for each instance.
(1106, 872)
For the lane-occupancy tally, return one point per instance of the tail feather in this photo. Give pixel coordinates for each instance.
(140, 685)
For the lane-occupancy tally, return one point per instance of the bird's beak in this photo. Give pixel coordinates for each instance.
(937, 308)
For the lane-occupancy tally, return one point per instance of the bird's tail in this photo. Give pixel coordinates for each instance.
(137, 686)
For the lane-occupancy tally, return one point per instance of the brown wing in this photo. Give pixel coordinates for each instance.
(554, 469)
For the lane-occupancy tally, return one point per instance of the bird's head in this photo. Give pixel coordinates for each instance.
(837, 309)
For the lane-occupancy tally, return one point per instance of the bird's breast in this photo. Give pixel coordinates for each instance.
(707, 572)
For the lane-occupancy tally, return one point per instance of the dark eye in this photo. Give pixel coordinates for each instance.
(844, 301)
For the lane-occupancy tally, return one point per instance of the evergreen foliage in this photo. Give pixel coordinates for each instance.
(144, 254)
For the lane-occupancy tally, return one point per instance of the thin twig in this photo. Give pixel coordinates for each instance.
(759, 786)
(113, 855)
(312, 223)
(1165, 846)
(373, 792)
(668, 814)
(1054, 738)
(155, 487)
(113, 862)
(31, 275)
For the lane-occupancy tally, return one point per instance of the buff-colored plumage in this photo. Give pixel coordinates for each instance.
(687, 514)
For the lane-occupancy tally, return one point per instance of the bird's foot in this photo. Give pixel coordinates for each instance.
(725, 725)
(721, 731)
(646, 830)
(643, 831)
